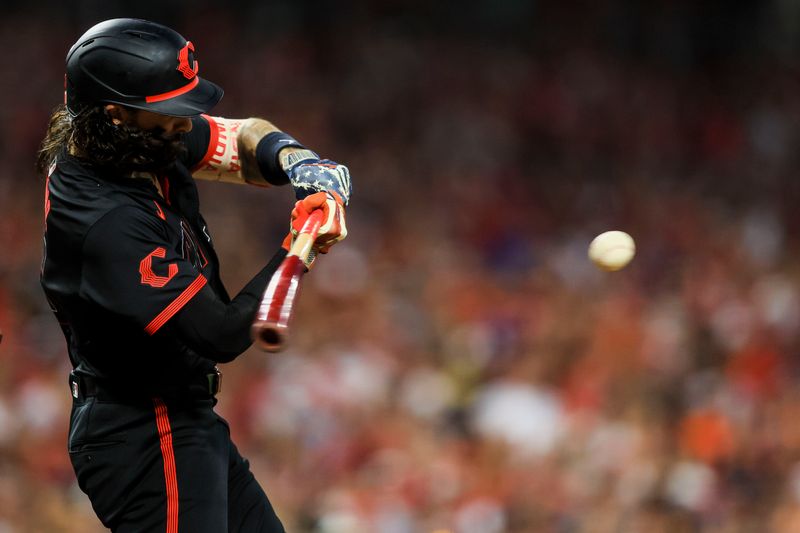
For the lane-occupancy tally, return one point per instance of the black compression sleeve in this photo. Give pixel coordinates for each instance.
(196, 142)
(267, 151)
(220, 331)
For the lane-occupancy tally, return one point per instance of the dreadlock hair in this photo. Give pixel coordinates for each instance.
(90, 135)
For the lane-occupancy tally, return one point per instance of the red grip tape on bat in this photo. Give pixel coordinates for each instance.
(271, 326)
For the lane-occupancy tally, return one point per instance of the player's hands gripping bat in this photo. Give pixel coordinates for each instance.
(333, 227)
(318, 222)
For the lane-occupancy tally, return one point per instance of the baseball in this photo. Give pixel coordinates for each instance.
(612, 250)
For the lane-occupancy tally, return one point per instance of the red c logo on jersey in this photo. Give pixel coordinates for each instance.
(146, 270)
(188, 70)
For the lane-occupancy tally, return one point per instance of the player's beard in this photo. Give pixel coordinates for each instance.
(141, 150)
(122, 149)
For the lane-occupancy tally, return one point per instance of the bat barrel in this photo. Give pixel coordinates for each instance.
(270, 329)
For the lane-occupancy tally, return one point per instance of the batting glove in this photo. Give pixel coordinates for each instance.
(333, 228)
(312, 175)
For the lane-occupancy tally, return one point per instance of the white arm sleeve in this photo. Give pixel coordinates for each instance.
(221, 162)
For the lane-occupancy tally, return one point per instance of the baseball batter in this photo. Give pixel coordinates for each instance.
(130, 271)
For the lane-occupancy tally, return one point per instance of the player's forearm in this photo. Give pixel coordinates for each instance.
(236, 158)
(221, 331)
(253, 130)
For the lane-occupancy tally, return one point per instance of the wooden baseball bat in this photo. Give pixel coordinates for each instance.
(271, 326)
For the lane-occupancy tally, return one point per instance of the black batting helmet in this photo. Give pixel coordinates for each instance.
(138, 64)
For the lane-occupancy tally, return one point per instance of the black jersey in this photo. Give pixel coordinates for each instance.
(133, 278)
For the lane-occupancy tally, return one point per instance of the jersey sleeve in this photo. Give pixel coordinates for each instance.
(131, 268)
(197, 142)
(217, 330)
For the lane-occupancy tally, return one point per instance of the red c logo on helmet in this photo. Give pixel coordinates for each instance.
(188, 71)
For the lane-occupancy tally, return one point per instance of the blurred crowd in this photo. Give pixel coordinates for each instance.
(457, 364)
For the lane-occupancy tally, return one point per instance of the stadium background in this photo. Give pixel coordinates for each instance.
(457, 364)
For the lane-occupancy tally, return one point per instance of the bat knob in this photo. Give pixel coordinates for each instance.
(269, 336)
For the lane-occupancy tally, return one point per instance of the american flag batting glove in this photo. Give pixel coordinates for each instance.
(312, 176)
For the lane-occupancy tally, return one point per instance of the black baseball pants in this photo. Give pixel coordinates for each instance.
(166, 467)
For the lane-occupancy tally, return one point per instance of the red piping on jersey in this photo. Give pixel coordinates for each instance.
(212, 143)
(172, 94)
(164, 182)
(176, 305)
(159, 211)
(46, 198)
(170, 473)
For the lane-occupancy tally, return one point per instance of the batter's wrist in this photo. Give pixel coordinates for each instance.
(291, 156)
(267, 152)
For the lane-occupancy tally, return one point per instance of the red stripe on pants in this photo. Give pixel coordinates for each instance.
(170, 475)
